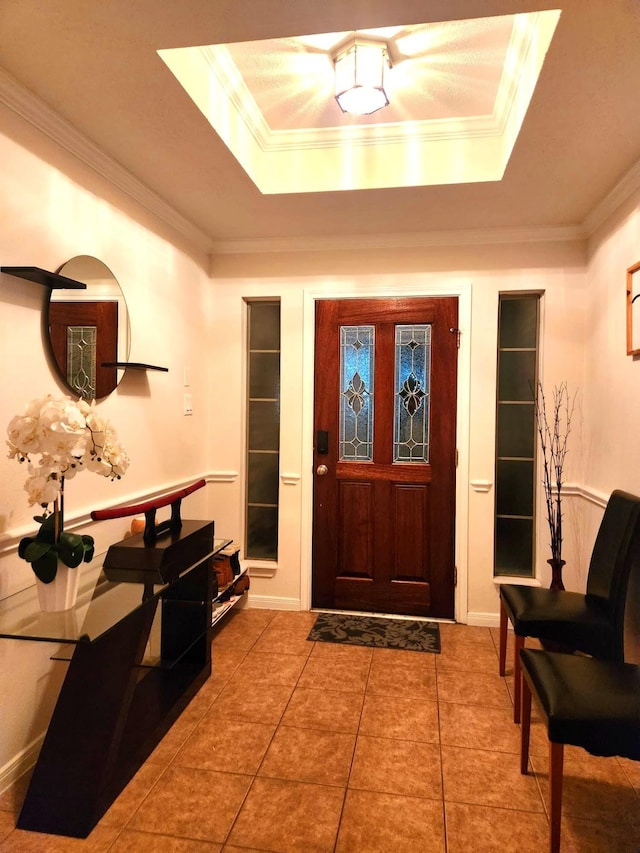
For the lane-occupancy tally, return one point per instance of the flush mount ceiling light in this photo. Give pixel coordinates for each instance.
(360, 73)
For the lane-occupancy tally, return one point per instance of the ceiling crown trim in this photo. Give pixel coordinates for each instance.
(31, 108)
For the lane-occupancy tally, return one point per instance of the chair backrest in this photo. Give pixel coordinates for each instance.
(615, 554)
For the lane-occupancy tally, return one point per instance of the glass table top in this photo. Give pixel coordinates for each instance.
(100, 605)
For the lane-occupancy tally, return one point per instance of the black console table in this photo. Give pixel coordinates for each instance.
(138, 651)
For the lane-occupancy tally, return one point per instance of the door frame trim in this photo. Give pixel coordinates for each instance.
(462, 290)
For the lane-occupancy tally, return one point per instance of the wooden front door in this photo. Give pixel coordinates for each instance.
(385, 455)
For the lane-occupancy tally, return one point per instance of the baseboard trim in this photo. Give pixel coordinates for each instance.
(272, 602)
(483, 620)
(20, 763)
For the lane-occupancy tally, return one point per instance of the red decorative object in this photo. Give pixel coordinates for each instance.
(149, 508)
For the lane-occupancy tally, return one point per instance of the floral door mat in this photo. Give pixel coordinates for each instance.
(410, 635)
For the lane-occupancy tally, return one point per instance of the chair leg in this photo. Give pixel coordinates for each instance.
(517, 678)
(556, 758)
(503, 638)
(526, 727)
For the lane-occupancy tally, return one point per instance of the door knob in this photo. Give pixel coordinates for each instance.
(321, 470)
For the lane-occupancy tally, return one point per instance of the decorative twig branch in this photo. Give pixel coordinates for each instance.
(554, 426)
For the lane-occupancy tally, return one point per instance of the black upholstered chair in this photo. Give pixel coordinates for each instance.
(594, 704)
(592, 622)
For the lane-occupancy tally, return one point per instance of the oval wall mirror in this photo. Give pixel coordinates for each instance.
(88, 329)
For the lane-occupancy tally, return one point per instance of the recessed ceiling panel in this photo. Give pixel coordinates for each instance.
(458, 93)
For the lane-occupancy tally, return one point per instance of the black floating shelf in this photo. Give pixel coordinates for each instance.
(134, 365)
(48, 279)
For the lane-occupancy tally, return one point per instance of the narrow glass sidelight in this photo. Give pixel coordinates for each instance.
(412, 384)
(356, 396)
(82, 343)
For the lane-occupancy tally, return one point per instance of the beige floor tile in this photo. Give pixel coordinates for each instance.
(494, 830)
(7, 824)
(358, 655)
(174, 740)
(327, 710)
(586, 836)
(457, 633)
(392, 679)
(297, 619)
(236, 746)
(400, 657)
(592, 787)
(225, 661)
(280, 641)
(478, 727)
(473, 688)
(21, 841)
(241, 629)
(400, 717)
(328, 673)
(132, 797)
(263, 668)
(309, 755)
(393, 766)
(203, 700)
(632, 771)
(467, 657)
(260, 703)
(292, 817)
(142, 842)
(485, 778)
(231, 848)
(182, 804)
(381, 823)
(12, 798)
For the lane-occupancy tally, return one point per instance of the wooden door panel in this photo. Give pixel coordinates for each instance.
(355, 533)
(411, 545)
(383, 532)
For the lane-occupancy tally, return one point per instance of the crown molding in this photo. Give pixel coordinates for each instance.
(427, 239)
(31, 108)
(615, 198)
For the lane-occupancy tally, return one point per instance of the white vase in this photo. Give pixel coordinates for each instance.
(61, 593)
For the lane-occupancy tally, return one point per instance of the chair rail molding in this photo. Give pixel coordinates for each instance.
(221, 476)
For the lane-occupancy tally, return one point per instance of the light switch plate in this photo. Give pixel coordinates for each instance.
(188, 404)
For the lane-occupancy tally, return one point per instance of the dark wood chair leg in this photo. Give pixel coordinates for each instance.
(556, 759)
(517, 678)
(526, 727)
(503, 638)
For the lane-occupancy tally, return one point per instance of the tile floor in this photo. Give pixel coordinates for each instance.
(312, 747)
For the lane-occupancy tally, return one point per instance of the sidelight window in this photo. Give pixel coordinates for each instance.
(263, 438)
(516, 434)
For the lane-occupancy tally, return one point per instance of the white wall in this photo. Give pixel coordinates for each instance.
(479, 274)
(612, 381)
(53, 208)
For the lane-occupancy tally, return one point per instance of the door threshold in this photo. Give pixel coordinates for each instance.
(385, 615)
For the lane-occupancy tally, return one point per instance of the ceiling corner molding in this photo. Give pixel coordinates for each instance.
(615, 198)
(32, 109)
(422, 240)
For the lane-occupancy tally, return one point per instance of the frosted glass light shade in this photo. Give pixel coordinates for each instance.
(360, 76)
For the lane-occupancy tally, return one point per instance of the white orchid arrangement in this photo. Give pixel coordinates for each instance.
(69, 436)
